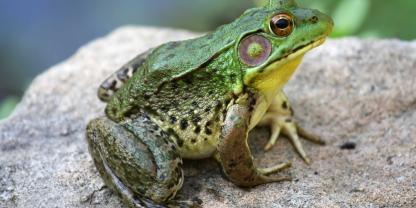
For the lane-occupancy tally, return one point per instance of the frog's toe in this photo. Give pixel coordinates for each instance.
(285, 124)
(309, 135)
(278, 124)
(275, 132)
(295, 132)
(291, 131)
(271, 179)
(274, 169)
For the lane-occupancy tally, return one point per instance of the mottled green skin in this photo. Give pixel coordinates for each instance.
(175, 60)
(193, 99)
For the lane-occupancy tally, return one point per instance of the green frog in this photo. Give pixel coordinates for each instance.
(200, 98)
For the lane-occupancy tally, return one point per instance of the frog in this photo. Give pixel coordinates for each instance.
(199, 98)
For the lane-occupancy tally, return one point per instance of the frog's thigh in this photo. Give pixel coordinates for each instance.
(144, 167)
(279, 117)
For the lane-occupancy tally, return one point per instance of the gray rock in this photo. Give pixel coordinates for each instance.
(354, 91)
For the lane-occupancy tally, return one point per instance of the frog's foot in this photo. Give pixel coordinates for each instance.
(286, 125)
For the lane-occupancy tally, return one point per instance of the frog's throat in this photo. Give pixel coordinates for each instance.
(274, 76)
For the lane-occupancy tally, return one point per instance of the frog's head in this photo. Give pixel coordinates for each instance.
(272, 53)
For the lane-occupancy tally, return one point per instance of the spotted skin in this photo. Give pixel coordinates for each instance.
(190, 109)
(143, 152)
(121, 76)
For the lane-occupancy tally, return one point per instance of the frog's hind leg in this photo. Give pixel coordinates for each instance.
(280, 119)
(117, 79)
(137, 161)
(234, 154)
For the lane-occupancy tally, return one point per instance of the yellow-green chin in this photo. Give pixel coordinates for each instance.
(275, 75)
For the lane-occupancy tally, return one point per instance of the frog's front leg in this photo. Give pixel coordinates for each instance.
(234, 153)
(137, 160)
(279, 117)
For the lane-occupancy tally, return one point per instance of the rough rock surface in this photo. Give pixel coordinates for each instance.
(350, 91)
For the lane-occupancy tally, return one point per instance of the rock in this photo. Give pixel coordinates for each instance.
(359, 94)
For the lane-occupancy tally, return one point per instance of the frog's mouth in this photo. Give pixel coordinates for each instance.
(272, 75)
(301, 50)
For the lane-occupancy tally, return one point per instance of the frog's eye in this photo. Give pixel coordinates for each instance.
(281, 24)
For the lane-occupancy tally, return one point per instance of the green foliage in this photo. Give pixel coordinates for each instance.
(7, 106)
(349, 16)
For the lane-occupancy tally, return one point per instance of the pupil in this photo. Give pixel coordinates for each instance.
(282, 23)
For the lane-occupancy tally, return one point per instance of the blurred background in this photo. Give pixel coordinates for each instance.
(35, 35)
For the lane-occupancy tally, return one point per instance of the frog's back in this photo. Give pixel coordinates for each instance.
(174, 60)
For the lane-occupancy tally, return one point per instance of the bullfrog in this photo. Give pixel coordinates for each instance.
(199, 98)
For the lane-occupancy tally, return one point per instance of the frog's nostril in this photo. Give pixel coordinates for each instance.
(314, 19)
